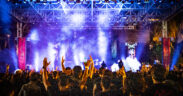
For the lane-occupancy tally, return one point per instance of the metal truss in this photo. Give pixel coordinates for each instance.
(119, 13)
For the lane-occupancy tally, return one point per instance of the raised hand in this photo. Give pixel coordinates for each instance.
(62, 64)
(45, 63)
(7, 67)
(56, 68)
(62, 60)
(87, 64)
(91, 59)
(45, 74)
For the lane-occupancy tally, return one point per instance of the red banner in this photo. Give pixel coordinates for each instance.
(166, 52)
(21, 53)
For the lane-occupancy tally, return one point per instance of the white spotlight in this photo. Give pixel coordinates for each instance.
(33, 35)
(114, 67)
(36, 61)
(102, 18)
(102, 44)
(51, 55)
(77, 19)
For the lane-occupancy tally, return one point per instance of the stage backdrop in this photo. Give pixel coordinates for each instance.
(166, 52)
(21, 53)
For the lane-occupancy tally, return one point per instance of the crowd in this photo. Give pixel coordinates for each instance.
(149, 81)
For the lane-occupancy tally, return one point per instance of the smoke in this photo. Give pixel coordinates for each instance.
(102, 44)
(7, 54)
(71, 40)
(4, 13)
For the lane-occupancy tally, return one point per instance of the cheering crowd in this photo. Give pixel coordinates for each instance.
(154, 80)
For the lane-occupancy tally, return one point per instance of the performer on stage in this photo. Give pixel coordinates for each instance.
(131, 62)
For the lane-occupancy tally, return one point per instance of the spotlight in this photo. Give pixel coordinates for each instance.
(102, 18)
(102, 44)
(114, 67)
(77, 18)
(33, 35)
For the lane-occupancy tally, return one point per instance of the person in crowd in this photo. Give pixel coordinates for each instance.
(134, 84)
(160, 86)
(31, 88)
(66, 87)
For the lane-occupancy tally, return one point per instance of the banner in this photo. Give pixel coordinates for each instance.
(166, 52)
(21, 53)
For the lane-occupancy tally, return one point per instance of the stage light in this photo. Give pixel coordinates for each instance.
(140, 49)
(81, 56)
(36, 61)
(77, 19)
(176, 54)
(14, 58)
(114, 67)
(33, 36)
(51, 55)
(63, 51)
(102, 18)
(78, 57)
(102, 44)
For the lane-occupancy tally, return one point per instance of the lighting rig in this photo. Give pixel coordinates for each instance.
(122, 11)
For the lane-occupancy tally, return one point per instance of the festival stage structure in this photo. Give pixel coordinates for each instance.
(73, 17)
(122, 11)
